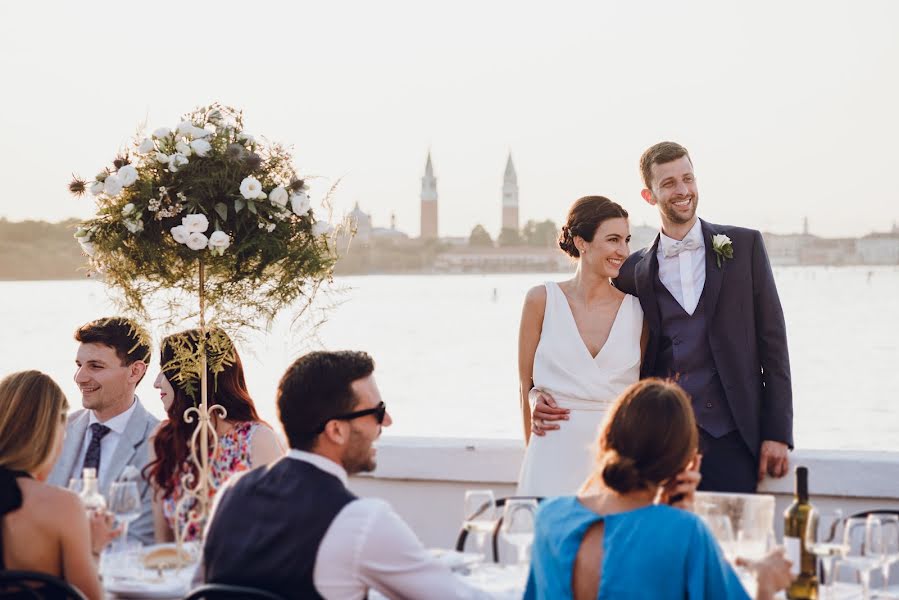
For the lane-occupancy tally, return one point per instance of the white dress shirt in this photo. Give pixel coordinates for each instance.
(109, 442)
(369, 546)
(683, 275)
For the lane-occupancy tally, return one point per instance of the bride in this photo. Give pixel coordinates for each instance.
(579, 347)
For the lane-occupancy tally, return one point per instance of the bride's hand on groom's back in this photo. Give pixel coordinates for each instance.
(545, 412)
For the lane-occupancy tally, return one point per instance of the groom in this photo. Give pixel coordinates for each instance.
(715, 324)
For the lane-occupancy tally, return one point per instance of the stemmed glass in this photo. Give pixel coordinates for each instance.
(889, 526)
(864, 549)
(124, 503)
(824, 537)
(723, 531)
(480, 515)
(518, 525)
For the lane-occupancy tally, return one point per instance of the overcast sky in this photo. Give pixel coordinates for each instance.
(790, 109)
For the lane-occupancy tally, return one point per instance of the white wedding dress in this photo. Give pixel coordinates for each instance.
(558, 463)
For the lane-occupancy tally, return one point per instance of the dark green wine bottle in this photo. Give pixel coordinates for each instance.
(805, 586)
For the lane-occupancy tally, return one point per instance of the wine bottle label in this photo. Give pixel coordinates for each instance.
(793, 549)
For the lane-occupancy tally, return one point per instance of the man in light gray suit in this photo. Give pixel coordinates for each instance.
(111, 432)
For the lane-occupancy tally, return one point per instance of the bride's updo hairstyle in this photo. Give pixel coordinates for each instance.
(584, 218)
(648, 436)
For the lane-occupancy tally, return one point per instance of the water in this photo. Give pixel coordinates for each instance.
(446, 350)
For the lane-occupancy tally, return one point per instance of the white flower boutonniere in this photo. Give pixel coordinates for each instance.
(723, 247)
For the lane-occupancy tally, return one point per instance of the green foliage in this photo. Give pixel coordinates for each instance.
(480, 238)
(273, 255)
(184, 368)
(542, 234)
(509, 237)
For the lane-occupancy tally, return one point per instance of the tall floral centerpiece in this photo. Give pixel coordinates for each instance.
(219, 215)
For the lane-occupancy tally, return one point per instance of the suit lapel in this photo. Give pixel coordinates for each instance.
(66, 468)
(133, 436)
(644, 274)
(713, 274)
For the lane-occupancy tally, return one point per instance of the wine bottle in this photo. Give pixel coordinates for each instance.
(805, 586)
(90, 492)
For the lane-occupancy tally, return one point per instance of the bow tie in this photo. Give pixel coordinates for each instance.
(678, 247)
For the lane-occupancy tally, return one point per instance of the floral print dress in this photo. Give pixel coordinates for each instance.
(231, 456)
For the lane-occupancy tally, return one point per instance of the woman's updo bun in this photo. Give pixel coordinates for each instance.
(584, 217)
(620, 473)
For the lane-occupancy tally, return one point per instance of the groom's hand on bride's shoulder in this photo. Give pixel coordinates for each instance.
(545, 412)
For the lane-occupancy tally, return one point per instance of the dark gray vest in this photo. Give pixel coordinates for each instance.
(685, 355)
(268, 526)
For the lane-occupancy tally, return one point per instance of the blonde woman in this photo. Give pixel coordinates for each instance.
(42, 528)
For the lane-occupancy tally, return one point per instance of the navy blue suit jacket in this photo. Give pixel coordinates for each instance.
(746, 328)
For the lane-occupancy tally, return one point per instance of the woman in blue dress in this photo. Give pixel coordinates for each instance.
(621, 538)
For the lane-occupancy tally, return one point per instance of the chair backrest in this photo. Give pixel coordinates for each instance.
(500, 503)
(884, 511)
(31, 584)
(221, 591)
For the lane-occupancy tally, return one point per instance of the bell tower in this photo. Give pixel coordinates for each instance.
(429, 202)
(510, 196)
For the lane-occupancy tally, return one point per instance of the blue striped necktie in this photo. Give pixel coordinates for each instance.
(92, 457)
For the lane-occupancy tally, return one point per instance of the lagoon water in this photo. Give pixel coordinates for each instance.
(445, 348)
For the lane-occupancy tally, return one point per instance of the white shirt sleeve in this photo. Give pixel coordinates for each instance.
(369, 546)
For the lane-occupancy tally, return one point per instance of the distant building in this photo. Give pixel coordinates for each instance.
(829, 251)
(787, 249)
(510, 196)
(509, 259)
(365, 232)
(429, 202)
(880, 248)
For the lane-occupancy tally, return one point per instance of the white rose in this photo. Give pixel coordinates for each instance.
(83, 234)
(176, 161)
(218, 241)
(162, 132)
(300, 204)
(183, 148)
(279, 196)
(200, 132)
(96, 188)
(197, 241)
(270, 227)
(321, 228)
(146, 146)
(195, 223)
(127, 209)
(185, 128)
(112, 186)
(246, 137)
(720, 240)
(135, 226)
(162, 157)
(88, 248)
(250, 188)
(128, 175)
(180, 233)
(200, 147)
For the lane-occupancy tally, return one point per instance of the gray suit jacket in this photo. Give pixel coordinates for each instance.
(132, 449)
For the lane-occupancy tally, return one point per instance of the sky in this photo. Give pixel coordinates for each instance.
(789, 109)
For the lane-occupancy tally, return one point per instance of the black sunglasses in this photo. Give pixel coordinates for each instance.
(379, 412)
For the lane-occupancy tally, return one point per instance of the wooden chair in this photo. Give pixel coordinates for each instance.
(31, 585)
(500, 503)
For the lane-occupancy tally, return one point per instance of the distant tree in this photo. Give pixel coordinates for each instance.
(543, 234)
(479, 237)
(509, 237)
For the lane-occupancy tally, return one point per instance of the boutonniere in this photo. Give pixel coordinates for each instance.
(723, 247)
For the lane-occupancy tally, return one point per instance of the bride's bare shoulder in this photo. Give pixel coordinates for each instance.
(536, 297)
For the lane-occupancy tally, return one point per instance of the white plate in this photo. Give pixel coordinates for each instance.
(147, 583)
(455, 560)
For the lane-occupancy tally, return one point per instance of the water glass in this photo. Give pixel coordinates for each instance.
(722, 529)
(863, 538)
(480, 515)
(125, 504)
(824, 537)
(518, 525)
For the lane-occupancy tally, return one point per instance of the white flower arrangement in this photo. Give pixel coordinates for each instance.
(722, 247)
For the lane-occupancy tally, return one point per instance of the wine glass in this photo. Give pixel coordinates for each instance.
(889, 525)
(480, 515)
(518, 525)
(125, 504)
(864, 549)
(825, 539)
(722, 529)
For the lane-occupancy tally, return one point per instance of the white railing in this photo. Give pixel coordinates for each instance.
(424, 479)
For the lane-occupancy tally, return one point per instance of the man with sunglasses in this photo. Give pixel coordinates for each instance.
(294, 529)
